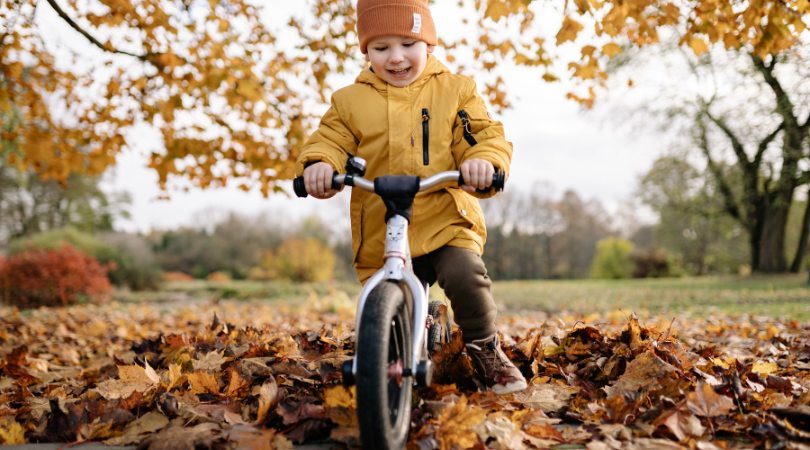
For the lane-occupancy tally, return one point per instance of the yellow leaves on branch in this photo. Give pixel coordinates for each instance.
(568, 32)
(497, 9)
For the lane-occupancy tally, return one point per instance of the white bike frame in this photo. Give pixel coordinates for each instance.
(397, 267)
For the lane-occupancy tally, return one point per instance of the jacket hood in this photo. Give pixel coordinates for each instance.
(433, 67)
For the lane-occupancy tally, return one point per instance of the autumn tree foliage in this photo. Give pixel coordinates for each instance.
(232, 102)
(44, 277)
(301, 259)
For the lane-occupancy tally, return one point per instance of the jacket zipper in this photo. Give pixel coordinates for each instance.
(425, 136)
(465, 124)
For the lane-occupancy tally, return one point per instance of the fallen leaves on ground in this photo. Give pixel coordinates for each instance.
(260, 376)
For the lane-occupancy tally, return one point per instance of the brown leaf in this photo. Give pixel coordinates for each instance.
(704, 401)
(293, 411)
(131, 379)
(136, 431)
(544, 397)
(212, 361)
(237, 386)
(268, 395)
(203, 383)
(18, 356)
(179, 439)
(347, 430)
(249, 438)
(642, 371)
(543, 432)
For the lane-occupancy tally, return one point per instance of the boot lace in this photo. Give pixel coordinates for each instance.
(489, 355)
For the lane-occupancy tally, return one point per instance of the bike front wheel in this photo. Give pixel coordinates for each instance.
(383, 352)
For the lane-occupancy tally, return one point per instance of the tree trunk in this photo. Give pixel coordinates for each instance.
(772, 244)
(801, 249)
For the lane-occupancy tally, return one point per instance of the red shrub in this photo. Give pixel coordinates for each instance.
(41, 277)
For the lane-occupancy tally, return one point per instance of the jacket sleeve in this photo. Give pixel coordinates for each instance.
(477, 136)
(331, 143)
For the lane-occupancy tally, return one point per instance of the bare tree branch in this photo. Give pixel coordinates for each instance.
(739, 150)
(729, 202)
(783, 104)
(764, 144)
(89, 37)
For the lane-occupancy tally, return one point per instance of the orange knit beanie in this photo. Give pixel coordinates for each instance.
(408, 18)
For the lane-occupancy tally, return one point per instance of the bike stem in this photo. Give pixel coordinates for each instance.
(397, 267)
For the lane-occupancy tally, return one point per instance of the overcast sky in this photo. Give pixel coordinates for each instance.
(554, 142)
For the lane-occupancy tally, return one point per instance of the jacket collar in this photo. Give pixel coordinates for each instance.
(433, 67)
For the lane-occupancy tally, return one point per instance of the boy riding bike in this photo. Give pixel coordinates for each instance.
(407, 114)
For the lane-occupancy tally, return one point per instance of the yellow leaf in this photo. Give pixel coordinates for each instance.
(611, 49)
(698, 45)
(568, 32)
(764, 368)
(496, 9)
(340, 396)
(268, 395)
(11, 432)
(175, 375)
(455, 426)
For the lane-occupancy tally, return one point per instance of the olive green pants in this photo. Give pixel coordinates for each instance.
(462, 275)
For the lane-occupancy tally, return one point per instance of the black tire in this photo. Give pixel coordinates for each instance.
(435, 330)
(383, 407)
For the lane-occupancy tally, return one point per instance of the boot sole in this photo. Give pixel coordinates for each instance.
(509, 388)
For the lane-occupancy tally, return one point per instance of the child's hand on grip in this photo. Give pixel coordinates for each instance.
(477, 174)
(318, 180)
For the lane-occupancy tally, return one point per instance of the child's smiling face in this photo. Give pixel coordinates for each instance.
(398, 60)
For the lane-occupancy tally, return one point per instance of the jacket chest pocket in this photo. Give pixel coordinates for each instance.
(425, 136)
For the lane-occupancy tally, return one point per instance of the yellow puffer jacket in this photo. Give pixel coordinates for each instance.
(421, 129)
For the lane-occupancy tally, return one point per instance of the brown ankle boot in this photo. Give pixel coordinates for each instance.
(494, 367)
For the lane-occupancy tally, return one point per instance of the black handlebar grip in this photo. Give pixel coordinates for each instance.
(299, 187)
(301, 190)
(498, 181)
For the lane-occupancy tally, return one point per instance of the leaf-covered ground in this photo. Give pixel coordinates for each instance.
(256, 375)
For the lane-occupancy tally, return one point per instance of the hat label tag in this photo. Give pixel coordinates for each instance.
(417, 23)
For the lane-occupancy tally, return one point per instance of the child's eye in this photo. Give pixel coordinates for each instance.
(407, 44)
(381, 49)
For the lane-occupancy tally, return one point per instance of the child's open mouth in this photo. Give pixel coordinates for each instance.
(400, 73)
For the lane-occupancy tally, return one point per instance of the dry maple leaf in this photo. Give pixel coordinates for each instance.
(137, 430)
(506, 435)
(176, 377)
(212, 361)
(340, 396)
(11, 432)
(249, 438)
(642, 371)
(704, 401)
(544, 397)
(268, 395)
(203, 383)
(131, 379)
(179, 439)
(455, 426)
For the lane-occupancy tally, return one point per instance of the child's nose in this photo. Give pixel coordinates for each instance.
(397, 55)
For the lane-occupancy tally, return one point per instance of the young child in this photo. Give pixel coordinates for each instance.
(407, 114)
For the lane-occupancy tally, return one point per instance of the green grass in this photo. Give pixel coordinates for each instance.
(762, 295)
(775, 296)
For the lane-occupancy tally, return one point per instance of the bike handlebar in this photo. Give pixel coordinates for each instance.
(339, 180)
